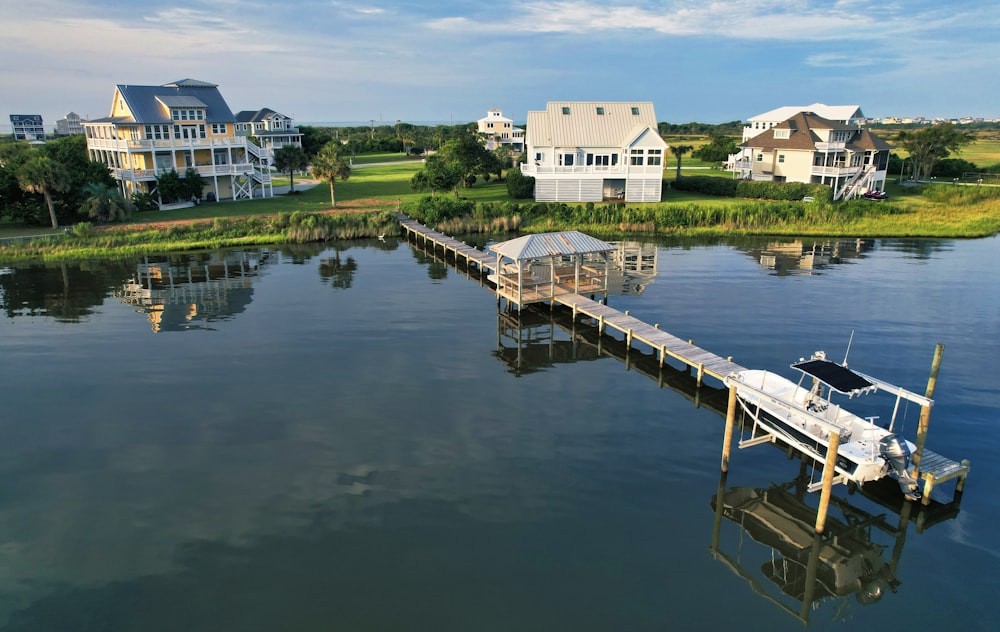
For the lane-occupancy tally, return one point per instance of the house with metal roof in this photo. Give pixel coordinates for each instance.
(271, 129)
(152, 130)
(497, 130)
(809, 148)
(536, 268)
(595, 151)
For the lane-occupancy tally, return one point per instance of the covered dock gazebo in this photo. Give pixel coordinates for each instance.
(537, 268)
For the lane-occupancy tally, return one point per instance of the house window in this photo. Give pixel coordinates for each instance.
(565, 110)
(566, 160)
(781, 157)
(655, 157)
(635, 111)
(201, 131)
(539, 156)
(637, 157)
(219, 128)
(760, 157)
(600, 111)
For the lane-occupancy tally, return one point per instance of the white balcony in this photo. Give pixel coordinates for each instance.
(838, 146)
(204, 170)
(837, 171)
(619, 170)
(115, 144)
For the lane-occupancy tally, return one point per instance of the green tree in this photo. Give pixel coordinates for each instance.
(104, 203)
(931, 144)
(41, 174)
(289, 159)
(678, 151)
(192, 185)
(717, 149)
(438, 174)
(330, 164)
(469, 156)
(169, 187)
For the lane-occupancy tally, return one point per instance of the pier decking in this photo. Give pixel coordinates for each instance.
(933, 470)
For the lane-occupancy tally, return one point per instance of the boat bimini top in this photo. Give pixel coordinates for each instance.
(836, 376)
(848, 382)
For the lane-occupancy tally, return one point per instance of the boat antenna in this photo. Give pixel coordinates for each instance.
(846, 353)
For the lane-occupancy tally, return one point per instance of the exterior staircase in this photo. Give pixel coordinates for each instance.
(856, 184)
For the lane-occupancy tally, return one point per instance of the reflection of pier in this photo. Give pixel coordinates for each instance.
(176, 293)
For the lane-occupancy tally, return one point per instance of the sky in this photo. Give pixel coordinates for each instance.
(422, 61)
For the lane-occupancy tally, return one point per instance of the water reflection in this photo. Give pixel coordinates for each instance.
(193, 291)
(65, 292)
(806, 257)
(796, 568)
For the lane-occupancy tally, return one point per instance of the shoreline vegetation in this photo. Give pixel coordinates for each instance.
(371, 196)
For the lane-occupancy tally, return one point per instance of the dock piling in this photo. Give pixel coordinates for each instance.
(727, 440)
(828, 472)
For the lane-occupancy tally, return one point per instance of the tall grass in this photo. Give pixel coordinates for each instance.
(297, 227)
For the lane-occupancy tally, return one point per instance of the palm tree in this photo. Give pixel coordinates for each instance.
(678, 151)
(104, 203)
(289, 159)
(41, 174)
(329, 164)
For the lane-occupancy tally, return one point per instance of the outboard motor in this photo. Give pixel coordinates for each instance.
(897, 454)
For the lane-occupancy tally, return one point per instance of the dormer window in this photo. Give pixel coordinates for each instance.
(782, 134)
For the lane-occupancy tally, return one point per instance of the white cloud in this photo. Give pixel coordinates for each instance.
(837, 60)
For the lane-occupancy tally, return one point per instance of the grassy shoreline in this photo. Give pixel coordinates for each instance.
(365, 202)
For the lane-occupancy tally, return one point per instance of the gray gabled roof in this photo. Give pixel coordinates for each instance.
(570, 242)
(252, 116)
(148, 104)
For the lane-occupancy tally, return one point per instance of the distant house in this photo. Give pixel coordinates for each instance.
(69, 125)
(27, 126)
(152, 130)
(595, 151)
(809, 148)
(846, 114)
(499, 131)
(271, 129)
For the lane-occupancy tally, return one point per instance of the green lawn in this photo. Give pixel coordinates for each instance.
(19, 230)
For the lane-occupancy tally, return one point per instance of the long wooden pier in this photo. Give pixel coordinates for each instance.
(935, 468)
(665, 344)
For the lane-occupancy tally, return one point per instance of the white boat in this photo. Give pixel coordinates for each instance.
(804, 417)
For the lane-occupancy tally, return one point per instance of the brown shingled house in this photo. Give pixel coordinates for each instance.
(809, 148)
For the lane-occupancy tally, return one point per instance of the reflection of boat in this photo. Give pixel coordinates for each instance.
(805, 418)
(806, 566)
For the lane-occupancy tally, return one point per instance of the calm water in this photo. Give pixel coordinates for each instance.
(355, 439)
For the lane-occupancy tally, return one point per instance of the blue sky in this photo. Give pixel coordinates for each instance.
(339, 60)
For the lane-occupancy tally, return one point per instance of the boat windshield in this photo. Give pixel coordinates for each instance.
(836, 376)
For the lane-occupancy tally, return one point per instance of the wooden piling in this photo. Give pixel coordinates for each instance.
(925, 413)
(727, 440)
(828, 472)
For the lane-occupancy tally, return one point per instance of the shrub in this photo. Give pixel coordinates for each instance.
(520, 186)
(83, 229)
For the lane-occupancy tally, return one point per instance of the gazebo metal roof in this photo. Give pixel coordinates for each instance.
(571, 242)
